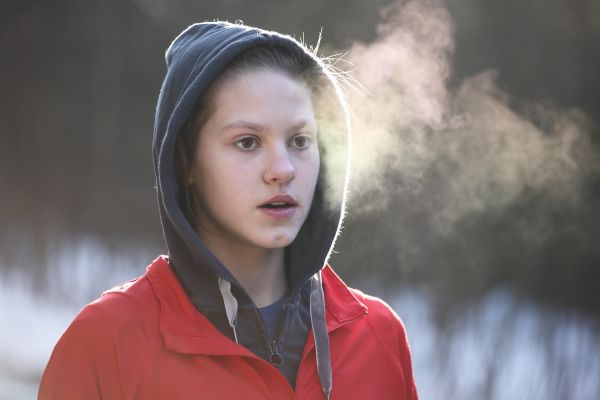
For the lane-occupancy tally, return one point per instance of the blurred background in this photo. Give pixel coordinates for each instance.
(474, 207)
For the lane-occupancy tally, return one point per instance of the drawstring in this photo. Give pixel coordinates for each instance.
(319, 327)
(231, 305)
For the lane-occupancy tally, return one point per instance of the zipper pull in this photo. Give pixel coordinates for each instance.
(275, 357)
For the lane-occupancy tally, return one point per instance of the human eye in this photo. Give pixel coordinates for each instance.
(247, 143)
(301, 142)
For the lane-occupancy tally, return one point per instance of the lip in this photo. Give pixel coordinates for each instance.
(281, 198)
(280, 213)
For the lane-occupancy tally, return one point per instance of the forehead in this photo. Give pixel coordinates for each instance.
(265, 94)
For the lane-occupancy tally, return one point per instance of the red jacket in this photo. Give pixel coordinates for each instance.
(145, 340)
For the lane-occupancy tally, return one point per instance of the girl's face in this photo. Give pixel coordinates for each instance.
(256, 162)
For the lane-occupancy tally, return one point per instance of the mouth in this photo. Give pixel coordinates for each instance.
(279, 202)
(275, 206)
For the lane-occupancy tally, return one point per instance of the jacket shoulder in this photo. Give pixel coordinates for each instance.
(128, 314)
(388, 326)
(390, 331)
(379, 310)
(132, 302)
(104, 346)
(127, 309)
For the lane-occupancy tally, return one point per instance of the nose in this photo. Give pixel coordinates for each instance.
(279, 167)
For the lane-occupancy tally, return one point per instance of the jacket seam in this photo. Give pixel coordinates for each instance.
(113, 331)
(387, 347)
(151, 341)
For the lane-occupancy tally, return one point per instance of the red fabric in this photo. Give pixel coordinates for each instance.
(145, 340)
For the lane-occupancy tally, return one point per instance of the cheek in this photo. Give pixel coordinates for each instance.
(315, 164)
(310, 166)
(220, 177)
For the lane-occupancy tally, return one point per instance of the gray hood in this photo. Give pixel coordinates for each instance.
(194, 59)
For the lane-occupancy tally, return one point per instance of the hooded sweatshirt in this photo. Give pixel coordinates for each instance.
(195, 59)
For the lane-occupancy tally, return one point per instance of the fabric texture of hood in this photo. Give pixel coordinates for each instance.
(195, 59)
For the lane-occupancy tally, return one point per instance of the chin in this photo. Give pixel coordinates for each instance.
(279, 240)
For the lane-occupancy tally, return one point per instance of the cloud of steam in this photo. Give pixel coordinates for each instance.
(410, 125)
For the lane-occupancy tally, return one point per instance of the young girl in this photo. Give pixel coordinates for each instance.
(250, 156)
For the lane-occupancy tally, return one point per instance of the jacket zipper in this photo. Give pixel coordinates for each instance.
(274, 357)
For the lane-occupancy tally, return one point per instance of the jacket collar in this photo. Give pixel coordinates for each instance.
(341, 305)
(186, 330)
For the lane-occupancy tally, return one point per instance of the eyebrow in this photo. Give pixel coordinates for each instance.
(242, 124)
(257, 127)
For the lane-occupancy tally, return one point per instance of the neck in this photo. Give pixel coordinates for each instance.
(260, 271)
